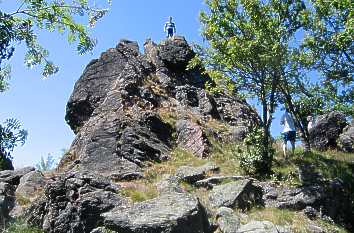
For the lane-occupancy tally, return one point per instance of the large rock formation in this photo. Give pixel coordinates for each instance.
(124, 107)
(346, 139)
(326, 130)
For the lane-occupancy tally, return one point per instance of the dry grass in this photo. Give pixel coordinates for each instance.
(296, 221)
(139, 190)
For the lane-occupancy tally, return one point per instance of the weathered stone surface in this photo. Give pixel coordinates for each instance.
(13, 176)
(73, 203)
(102, 230)
(238, 194)
(227, 221)
(193, 174)
(30, 185)
(258, 227)
(168, 213)
(191, 137)
(210, 182)
(326, 130)
(346, 139)
(169, 184)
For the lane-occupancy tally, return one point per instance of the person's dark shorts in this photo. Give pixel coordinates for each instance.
(289, 136)
(170, 32)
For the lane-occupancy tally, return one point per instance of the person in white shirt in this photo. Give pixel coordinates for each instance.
(289, 132)
(310, 122)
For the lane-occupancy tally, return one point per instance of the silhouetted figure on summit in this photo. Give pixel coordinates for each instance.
(170, 28)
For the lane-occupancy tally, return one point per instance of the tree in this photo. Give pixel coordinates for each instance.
(250, 44)
(11, 135)
(24, 24)
(46, 164)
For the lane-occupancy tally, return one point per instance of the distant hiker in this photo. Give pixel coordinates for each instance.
(170, 28)
(289, 133)
(310, 122)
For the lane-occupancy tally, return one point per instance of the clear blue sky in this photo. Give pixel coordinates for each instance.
(40, 104)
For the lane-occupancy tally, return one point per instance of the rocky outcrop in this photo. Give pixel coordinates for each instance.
(326, 199)
(346, 139)
(326, 130)
(227, 221)
(169, 213)
(260, 227)
(7, 202)
(73, 203)
(117, 106)
(13, 176)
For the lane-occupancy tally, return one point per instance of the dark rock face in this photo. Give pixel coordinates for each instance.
(74, 203)
(117, 104)
(346, 139)
(7, 201)
(168, 213)
(326, 130)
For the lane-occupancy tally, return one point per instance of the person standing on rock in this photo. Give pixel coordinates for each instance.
(170, 28)
(289, 132)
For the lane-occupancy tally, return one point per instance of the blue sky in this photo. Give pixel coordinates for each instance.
(40, 104)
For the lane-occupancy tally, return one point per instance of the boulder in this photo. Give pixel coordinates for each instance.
(227, 221)
(212, 181)
(73, 202)
(239, 194)
(326, 130)
(346, 139)
(13, 176)
(30, 185)
(193, 174)
(168, 213)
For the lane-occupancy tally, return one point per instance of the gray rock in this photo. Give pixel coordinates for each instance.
(30, 185)
(169, 184)
(239, 194)
(227, 221)
(13, 176)
(73, 203)
(210, 182)
(168, 213)
(258, 227)
(193, 174)
(346, 139)
(314, 229)
(326, 130)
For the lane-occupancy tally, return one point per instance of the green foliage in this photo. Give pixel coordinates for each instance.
(31, 16)
(46, 164)
(252, 154)
(11, 135)
(19, 226)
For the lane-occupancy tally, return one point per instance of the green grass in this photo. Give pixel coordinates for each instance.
(19, 226)
(139, 190)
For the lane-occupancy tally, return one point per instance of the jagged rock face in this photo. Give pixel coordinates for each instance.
(73, 203)
(346, 139)
(118, 109)
(326, 130)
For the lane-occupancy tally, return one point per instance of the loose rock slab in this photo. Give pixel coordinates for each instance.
(227, 221)
(193, 174)
(237, 194)
(168, 213)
